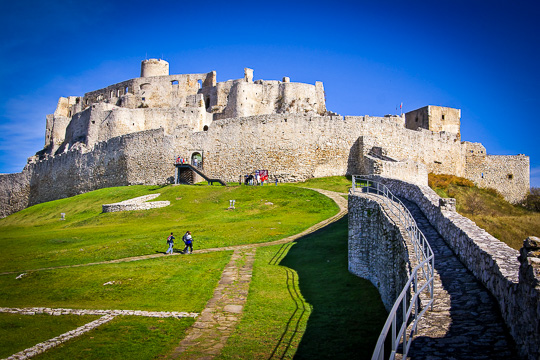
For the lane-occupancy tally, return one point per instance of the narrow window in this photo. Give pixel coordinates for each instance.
(126, 90)
(174, 82)
(200, 83)
(443, 117)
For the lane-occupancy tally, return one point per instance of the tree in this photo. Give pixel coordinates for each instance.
(474, 203)
(532, 201)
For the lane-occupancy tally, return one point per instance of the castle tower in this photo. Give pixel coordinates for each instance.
(154, 67)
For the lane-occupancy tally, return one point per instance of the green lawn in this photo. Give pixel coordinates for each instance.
(19, 332)
(304, 303)
(125, 337)
(172, 283)
(340, 184)
(37, 238)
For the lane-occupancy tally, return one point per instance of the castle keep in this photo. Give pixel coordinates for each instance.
(131, 132)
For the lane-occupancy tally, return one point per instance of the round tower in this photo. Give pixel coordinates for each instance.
(154, 67)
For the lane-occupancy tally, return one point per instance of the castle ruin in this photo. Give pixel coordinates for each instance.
(131, 132)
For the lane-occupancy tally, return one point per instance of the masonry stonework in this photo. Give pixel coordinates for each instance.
(512, 277)
(377, 248)
(131, 132)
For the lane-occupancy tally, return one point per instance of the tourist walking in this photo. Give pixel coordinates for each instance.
(170, 242)
(188, 240)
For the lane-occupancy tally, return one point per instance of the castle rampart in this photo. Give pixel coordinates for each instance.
(377, 248)
(514, 282)
(508, 174)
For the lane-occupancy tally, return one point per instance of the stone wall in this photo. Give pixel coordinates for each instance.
(434, 118)
(139, 158)
(440, 152)
(406, 170)
(14, 192)
(509, 175)
(494, 263)
(377, 249)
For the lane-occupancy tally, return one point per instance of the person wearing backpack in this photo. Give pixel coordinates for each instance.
(170, 241)
(188, 240)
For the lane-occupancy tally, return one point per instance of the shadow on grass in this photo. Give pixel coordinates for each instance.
(347, 312)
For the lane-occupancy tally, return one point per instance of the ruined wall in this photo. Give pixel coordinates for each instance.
(14, 192)
(153, 91)
(239, 98)
(406, 170)
(440, 152)
(434, 118)
(291, 147)
(377, 250)
(140, 158)
(510, 175)
(295, 147)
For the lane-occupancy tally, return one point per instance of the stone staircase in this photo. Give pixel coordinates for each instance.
(465, 322)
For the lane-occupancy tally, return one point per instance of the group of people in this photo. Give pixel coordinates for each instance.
(251, 179)
(180, 160)
(187, 239)
(195, 162)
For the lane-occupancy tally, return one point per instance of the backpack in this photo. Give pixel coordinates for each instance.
(169, 239)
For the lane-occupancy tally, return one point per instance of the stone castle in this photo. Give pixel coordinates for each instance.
(131, 132)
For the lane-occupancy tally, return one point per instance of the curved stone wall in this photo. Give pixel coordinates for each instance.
(514, 282)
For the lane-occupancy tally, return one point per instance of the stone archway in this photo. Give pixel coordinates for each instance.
(197, 159)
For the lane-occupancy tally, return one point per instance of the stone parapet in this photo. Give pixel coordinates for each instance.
(378, 250)
(513, 283)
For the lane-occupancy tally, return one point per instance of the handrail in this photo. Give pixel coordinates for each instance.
(424, 255)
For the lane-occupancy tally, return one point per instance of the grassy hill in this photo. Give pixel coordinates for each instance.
(507, 222)
(308, 274)
(36, 237)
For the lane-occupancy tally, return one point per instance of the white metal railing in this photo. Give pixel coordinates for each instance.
(420, 278)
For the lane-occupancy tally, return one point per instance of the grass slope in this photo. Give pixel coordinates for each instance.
(19, 332)
(125, 337)
(304, 303)
(172, 283)
(509, 223)
(36, 238)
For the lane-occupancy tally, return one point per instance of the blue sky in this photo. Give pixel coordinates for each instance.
(479, 56)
